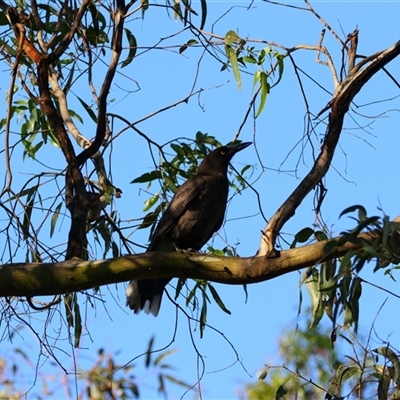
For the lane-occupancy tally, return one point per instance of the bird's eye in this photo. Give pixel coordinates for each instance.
(222, 152)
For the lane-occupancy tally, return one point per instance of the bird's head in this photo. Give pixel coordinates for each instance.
(218, 159)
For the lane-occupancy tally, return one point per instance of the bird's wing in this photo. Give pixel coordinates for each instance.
(177, 207)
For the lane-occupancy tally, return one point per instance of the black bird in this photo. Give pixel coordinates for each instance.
(194, 214)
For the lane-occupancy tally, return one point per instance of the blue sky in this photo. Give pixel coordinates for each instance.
(364, 173)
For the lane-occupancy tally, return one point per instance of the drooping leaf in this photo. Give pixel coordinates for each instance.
(280, 60)
(383, 387)
(164, 355)
(264, 92)
(231, 54)
(68, 310)
(313, 288)
(203, 318)
(27, 218)
(177, 381)
(191, 294)
(145, 6)
(149, 219)
(179, 286)
(88, 109)
(203, 4)
(54, 219)
(149, 352)
(132, 48)
(149, 203)
(78, 322)
(217, 299)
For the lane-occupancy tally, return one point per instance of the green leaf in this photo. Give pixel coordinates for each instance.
(256, 78)
(97, 17)
(3, 19)
(149, 203)
(88, 109)
(191, 294)
(302, 236)
(281, 64)
(54, 219)
(178, 382)
(385, 229)
(249, 59)
(235, 66)
(164, 355)
(284, 389)
(394, 359)
(95, 36)
(313, 288)
(244, 169)
(177, 10)
(115, 250)
(161, 384)
(203, 14)
(347, 372)
(170, 184)
(320, 236)
(179, 286)
(78, 322)
(383, 387)
(68, 309)
(149, 352)
(352, 209)
(245, 293)
(355, 294)
(261, 57)
(231, 37)
(217, 299)
(27, 218)
(203, 318)
(132, 48)
(75, 115)
(264, 91)
(148, 220)
(264, 374)
(189, 43)
(145, 6)
(147, 177)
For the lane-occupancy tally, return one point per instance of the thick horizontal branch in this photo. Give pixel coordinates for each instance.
(74, 275)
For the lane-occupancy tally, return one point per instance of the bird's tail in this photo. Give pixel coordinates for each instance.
(146, 295)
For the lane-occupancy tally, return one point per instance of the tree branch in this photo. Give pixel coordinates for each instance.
(339, 105)
(74, 275)
(102, 104)
(63, 45)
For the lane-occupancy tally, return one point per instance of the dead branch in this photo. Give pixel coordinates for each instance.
(339, 105)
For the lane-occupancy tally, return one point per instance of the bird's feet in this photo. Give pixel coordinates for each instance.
(188, 250)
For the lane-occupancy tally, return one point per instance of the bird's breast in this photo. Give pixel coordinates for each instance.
(202, 217)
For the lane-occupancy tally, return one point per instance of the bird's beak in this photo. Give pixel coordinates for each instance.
(236, 147)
